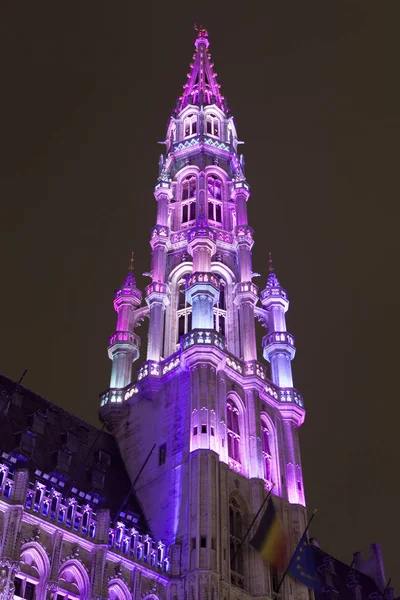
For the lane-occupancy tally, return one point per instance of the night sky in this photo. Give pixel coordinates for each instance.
(87, 89)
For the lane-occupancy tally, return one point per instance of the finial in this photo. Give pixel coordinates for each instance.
(132, 260)
(202, 36)
(202, 31)
(271, 266)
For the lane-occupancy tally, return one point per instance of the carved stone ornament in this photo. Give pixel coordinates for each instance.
(6, 586)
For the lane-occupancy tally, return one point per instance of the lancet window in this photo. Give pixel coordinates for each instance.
(236, 532)
(214, 188)
(266, 450)
(220, 309)
(188, 199)
(212, 126)
(233, 432)
(184, 311)
(190, 125)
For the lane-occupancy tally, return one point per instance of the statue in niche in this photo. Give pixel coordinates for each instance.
(161, 164)
(6, 589)
(242, 163)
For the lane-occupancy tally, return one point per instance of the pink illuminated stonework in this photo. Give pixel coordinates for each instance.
(223, 421)
(154, 506)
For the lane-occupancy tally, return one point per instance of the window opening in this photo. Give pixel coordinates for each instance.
(188, 199)
(266, 450)
(190, 125)
(162, 454)
(233, 431)
(184, 312)
(212, 125)
(236, 536)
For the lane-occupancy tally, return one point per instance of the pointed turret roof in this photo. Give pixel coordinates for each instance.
(202, 86)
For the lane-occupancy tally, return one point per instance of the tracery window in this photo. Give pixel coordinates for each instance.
(188, 199)
(25, 587)
(233, 431)
(73, 583)
(214, 189)
(30, 582)
(266, 450)
(220, 309)
(184, 311)
(212, 125)
(190, 125)
(236, 532)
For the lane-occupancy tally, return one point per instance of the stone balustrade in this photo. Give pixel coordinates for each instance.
(150, 367)
(206, 337)
(159, 231)
(274, 292)
(111, 395)
(246, 287)
(203, 337)
(234, 465)
(128, 291)
(253, 367)
(200, 277)
(278, 337)
(124, 336)
(77, 514)
(156, 287)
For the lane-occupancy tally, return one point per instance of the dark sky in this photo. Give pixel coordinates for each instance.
(87, 89)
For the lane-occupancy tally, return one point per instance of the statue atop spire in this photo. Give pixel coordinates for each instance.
(130, 279)
(272, 281)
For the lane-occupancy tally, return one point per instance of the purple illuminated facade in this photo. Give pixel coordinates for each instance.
(224, 423)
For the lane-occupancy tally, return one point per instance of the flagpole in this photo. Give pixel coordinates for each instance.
(297, 547)
(251, 524)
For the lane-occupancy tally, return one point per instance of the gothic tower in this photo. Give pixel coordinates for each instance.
(223, 422)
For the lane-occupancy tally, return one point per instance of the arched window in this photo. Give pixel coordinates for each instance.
(266, 450)
(236, 533)
(73, 582)
(214, 189)
(212, 126)
(188, 199)
(30, 582)
(233, 435)
(190, 125)
(117, 590)
(220, 309)
(184, 311)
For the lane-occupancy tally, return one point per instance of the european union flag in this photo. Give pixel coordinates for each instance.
(302, 566)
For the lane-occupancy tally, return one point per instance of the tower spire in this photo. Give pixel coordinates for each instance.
(202, 86)
(132, 260)
(270, 264)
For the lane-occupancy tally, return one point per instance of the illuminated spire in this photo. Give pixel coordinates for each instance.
(201, 87)
(272, 281)
(130, 279)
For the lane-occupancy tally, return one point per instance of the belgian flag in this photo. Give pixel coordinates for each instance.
(270, 539)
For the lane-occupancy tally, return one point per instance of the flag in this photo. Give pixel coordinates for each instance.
(302, 566)
(270, 539)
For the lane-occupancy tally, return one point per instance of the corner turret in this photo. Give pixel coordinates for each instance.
(278, 344)
(124, 344)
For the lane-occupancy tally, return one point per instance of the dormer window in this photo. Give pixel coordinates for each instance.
(212, 126)
(190, 125)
